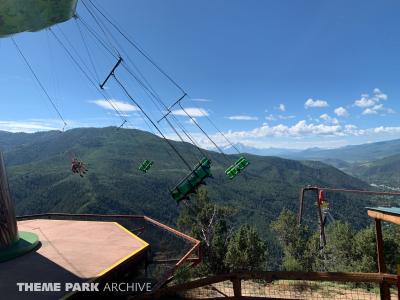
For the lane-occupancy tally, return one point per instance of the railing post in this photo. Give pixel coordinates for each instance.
(383, 286)
(237, 287)
(301, 206)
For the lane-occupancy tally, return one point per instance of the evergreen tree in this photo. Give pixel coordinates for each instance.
(209, 223)
(364, 249)
(294, 240)
(337, 255)
(246, 251)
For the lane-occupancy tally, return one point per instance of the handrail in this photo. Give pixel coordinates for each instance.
(24, 217)
(273, 276)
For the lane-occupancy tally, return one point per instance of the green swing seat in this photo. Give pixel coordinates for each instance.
(237, 167)
(146, 165)
(192, 181)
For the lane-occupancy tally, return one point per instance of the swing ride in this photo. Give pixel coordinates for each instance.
(40, 15)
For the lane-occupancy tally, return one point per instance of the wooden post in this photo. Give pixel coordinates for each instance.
(384, 288)
(8, 222)
(301, 206)
(398, 280)
(379, 247)
(237, 287)
(322, 237)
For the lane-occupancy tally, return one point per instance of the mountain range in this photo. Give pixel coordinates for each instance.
(41, 180)
(350, 153)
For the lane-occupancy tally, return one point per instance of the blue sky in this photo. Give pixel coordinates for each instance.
(291, 74)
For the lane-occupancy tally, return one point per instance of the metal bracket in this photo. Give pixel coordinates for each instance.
(111, 73)
(169, 108)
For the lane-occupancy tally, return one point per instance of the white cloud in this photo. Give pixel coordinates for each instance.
(378, 108)
(341, 112)
(30, 126)
(299, 129)
(372, 104)
(310, 103)
(243, 118)
(270, 118)
(379, 95)
(281, 107)
(113, 104)
(364, 102)
(369, 111)
(192, 111)
(302, 129)
(201, 100)
(191, 121)
(383, 129)
(329, 119)
(391, 111)
(282, 117)
(300, 135)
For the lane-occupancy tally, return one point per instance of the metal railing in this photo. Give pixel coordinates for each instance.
(281, 285)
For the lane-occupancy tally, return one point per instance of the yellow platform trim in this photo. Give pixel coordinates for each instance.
(145, 245)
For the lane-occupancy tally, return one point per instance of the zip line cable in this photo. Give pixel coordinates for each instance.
(95, 35)
(101, 28)
(216, 128)
(52, 70)
(149, 89)
(86, 75)
(151, 121)
(87, 50)
(130, 41)
(155, 65)
(65, 37)
(103, 93)
(135, 45)
(39, 82)
(195, 122)
(152, 95)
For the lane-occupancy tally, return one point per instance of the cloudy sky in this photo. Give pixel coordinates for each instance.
(292, 74)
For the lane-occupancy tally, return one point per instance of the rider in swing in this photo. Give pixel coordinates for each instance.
(78, 167)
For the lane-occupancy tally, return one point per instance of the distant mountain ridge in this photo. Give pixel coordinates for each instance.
(349, 154)
(260, 151)
(354, 153)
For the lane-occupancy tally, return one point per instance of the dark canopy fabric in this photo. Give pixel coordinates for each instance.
(33, 15)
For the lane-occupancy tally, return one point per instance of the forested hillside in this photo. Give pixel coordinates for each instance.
(41, 179)
(384, 171)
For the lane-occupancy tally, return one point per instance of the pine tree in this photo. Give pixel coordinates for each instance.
(246, 251)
